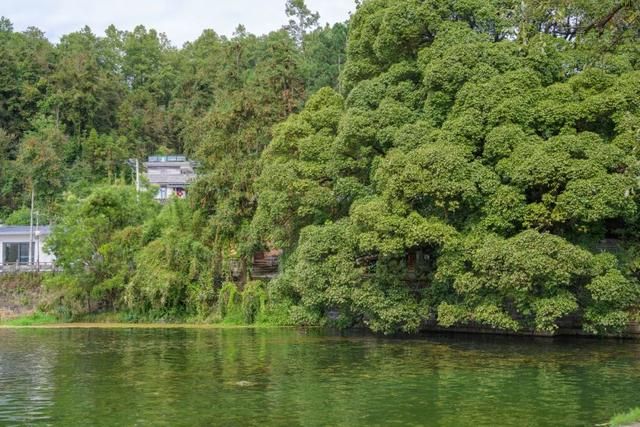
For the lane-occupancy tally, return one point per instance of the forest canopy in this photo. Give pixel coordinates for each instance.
(428, 162)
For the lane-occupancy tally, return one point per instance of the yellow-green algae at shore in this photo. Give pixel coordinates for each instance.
(118, 320)
(81, 325)
(627, 419)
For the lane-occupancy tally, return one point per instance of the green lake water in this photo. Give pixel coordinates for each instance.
(290, 377)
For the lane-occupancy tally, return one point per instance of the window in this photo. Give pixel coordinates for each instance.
(16, 253)
(163, 193)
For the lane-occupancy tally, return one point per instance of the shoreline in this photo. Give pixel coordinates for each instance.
(118, 320)
(150, 325)
(187, 325)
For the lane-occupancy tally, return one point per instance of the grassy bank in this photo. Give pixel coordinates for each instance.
(81, 325)
(626, 419)
(124, 319)
(36, 318)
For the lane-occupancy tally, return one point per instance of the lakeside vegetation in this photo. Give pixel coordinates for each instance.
(626, 419)
(34, 319)
(428, 161)
(121, 320)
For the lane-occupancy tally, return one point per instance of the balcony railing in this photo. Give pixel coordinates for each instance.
(26, 267)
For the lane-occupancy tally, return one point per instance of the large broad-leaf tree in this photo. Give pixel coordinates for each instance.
(490, 156)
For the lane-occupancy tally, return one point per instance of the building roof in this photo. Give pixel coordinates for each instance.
(169, 161)
(22, 229)
(176, 158)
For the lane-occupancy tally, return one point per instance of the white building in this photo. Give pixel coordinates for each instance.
(172, 174)
(14, 249)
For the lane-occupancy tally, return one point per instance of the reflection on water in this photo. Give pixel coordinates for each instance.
(293, 377)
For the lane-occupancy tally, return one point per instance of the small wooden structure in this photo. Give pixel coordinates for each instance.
(266, 264)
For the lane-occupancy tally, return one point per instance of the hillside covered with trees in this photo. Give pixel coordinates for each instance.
(436, 161)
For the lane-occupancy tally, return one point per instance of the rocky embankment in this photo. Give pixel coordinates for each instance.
(20, 294)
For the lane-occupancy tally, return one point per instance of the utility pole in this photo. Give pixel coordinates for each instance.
(37, 249)
(137, 175)
(135, 166)
(31, 227)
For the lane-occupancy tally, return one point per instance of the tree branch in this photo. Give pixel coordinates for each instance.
(602, 22)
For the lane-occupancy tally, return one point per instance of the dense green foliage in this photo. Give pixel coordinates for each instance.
(72, 113)
(95, 239)
(456, 163)
(495, 141)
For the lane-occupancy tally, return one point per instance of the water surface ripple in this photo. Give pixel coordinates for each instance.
(187, 377)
